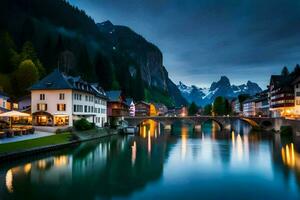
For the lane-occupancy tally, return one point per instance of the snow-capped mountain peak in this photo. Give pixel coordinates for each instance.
(203, 96)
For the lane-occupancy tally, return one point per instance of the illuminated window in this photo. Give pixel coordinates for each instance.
(41, 106)
(61, 107)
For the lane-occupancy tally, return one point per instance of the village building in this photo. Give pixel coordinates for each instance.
(142, 108)
(262, 104)
(249, 107)
(59, 100)
(282, 96)
(117, 106)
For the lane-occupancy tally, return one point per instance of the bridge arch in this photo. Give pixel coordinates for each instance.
(220, 124)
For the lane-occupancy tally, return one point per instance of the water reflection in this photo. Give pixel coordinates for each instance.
(180, 164)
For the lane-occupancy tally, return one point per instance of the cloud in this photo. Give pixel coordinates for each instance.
(201, 38)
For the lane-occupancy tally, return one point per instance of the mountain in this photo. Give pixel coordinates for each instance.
(64, 36)
(203, 96)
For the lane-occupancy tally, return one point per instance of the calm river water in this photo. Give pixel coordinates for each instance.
(182, 164)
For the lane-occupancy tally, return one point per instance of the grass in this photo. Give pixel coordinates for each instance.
(34, 143)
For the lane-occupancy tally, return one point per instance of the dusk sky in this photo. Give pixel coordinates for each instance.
(204, 39)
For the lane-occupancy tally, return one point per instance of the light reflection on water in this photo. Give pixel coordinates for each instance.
(179, 164)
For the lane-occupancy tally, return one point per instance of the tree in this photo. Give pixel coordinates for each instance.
(85, 66)
(5, 84)
(193, 109)
(139, 93)
(219, 106)
(207, 109)
(297, 70)
(104, 72)
(25, 76)
(285, 71)
(9, 58)
(28, 53)
(227, 107)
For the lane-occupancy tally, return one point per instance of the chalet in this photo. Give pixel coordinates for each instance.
(117, 106)
(59, 100)
(142, 108)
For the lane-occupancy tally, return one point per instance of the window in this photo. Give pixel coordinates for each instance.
(41, 107)
(61, 107)
(85, 108)
(42, 96)
(297, 102)
(75, 108)
(298, 94)
(61, 96)
(86, 98)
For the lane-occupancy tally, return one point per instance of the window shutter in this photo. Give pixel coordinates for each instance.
(38, 106)
(45, 106)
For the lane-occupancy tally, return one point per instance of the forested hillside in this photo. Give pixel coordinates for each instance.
(43, 35)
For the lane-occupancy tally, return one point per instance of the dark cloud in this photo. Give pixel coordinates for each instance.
(203, 39)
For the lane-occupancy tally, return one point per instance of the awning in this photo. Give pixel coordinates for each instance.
(14, 113)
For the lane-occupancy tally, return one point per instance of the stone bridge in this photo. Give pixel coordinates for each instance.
(266, 123)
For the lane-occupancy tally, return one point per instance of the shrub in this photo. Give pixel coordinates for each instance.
(83, 125)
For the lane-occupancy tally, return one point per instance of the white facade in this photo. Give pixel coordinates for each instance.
(67, 106)
(249, 108)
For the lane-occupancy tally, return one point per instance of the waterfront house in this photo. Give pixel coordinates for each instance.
(262, 104)
(282, 96)
(59, 100)
(236, 106)
(249, 107)
(117, 106)
(161, 109)
(142, 108)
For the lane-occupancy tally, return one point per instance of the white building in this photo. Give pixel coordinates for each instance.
(59, 100)
(249, 108)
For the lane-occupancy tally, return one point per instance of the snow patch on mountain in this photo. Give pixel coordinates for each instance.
(203, 96)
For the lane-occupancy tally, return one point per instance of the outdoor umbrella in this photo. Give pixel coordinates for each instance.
(13, 113)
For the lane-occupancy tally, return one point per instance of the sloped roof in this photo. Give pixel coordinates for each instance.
(55, 80)
(114, 95)
(281, 81)
(58, 81)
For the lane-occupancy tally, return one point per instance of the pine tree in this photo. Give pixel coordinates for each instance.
(139, 86)
(104, 72)
(193, 109)
(285, 71)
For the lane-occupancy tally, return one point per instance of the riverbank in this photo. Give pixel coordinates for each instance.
(20, 149)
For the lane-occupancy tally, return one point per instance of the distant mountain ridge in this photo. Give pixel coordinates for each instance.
(223, 87)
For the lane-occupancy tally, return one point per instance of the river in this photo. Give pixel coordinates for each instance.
(156, 164)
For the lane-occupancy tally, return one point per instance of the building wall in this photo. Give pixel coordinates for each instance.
(52, 99)
(249, 109)
(87, 105)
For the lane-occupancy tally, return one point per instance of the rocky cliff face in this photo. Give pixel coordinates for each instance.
(147, 55)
